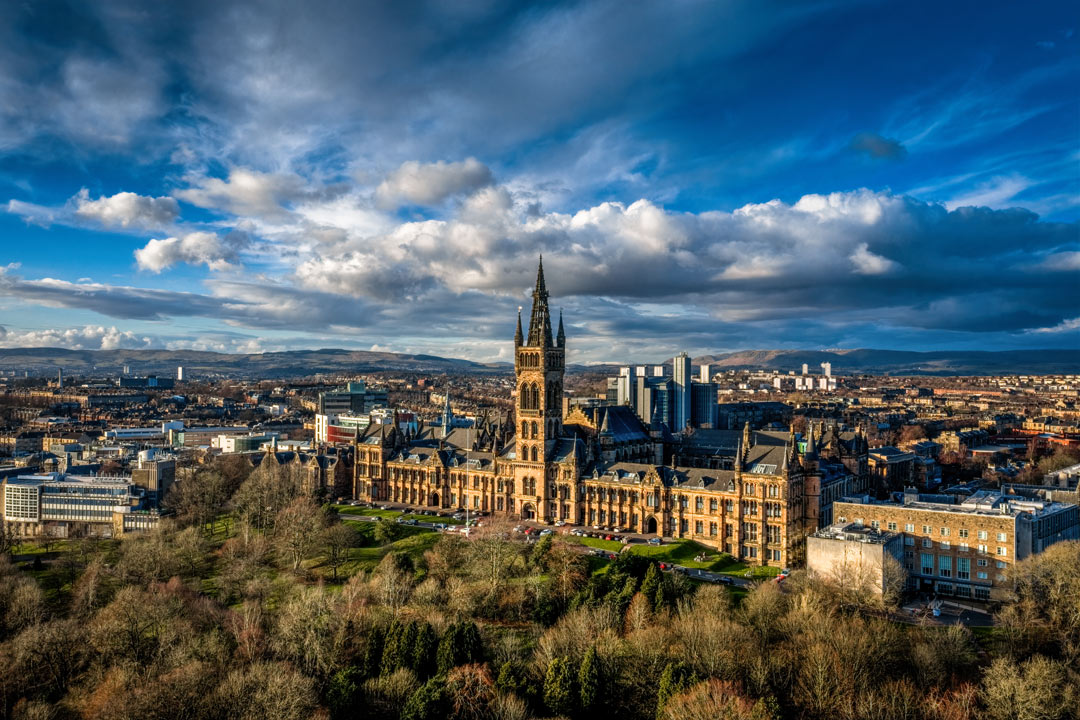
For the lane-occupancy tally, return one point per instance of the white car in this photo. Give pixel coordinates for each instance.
(545, 531)
(560, 523)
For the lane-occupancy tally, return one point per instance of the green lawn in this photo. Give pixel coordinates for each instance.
(362, 559)
(680, 552)
(613, 545)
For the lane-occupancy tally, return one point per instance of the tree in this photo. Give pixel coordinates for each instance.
(386, 531)
(715, 700)
(8, 539)
(912, 434)
(559, 695)
(427, 703)
(589, 680)
(310, 632)
(268, 489)
(373, 651)
(265, 690)
(190, 546)
(425, 645)
(338, 539)
(297, 530)
(394, 579)
(459, 645)
(651, 581)
(199, 496)
(1036, 690)
(470, 692)
(343, 691)
(675, 679)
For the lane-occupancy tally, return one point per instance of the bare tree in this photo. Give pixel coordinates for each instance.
(297, 530)
(338, 539)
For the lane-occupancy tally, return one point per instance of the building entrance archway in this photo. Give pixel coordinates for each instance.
(435, 499)
(650, 526)
(527, 512)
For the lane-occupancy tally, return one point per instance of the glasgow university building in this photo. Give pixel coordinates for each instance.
(753, 494)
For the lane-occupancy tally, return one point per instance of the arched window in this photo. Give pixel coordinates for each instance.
(534, 428)
(534, 454)
(524, 429)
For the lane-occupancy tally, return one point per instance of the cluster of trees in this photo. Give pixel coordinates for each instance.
(188, 623)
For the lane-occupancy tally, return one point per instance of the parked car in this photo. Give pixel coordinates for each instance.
(725, 580)
(656, 541)
(560, 523)
(519, 528)
(545, 531)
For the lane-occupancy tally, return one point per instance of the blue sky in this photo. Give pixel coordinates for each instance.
(708, 176)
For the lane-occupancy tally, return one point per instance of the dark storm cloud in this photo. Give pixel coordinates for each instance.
(876, 146)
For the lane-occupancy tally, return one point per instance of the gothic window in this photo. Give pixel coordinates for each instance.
(534, 454)
(524, 429)
(534, 429)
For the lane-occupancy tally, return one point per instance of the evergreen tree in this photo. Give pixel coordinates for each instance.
(509, 679)
(341, 695)
(540, 551)
(660, 597)
(589, 680)
(429, 702)
(398, 649)
(651, 581)
(622, 600)
(423, 651)
(445, 655)
(373, 652)
(472, 645)
(559, 695)
(676, 678)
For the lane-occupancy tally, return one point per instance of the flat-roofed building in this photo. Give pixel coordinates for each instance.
(857, 557)
(965, 549)
(63, 505)
(891, 467)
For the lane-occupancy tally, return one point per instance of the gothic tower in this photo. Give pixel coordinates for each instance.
(539, 362)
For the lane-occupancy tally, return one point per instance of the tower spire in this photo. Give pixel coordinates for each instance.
(540, 324)
(519, 338)
(560, 338)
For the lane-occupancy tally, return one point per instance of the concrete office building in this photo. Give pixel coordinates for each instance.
(856, 557)
(964, 549)
(68, 505)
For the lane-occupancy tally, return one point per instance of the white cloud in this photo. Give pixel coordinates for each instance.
(90, 337)
(218, 253)
(126, 209)
(995, 193)
(868, 263)
(32, 213)
(431, 183)
(246, 192)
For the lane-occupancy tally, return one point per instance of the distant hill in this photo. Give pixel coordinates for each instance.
(296, 363)
(200, 364)
(900, 362)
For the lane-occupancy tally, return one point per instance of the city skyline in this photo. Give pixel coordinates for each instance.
(692, 181)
